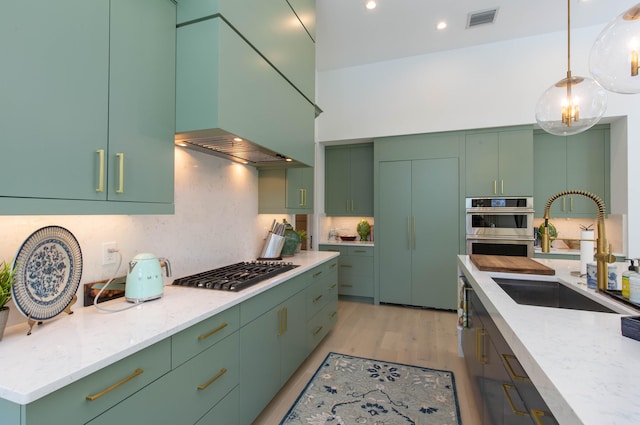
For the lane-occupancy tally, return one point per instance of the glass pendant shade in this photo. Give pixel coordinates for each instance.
(614, 56)
(570, 106)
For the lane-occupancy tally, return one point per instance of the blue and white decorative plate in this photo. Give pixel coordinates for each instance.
(48, 271)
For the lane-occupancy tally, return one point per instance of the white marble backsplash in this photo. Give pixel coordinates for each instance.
(215, 223)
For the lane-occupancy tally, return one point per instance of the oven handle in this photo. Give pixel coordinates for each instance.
(496, 211)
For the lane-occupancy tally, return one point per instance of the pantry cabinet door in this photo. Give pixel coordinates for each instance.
(53, 97)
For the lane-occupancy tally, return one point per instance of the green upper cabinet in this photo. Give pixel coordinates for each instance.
(349, 180)
(247, 68)
(499, 163)
(87, 109)
(578, 162)
(285, 191)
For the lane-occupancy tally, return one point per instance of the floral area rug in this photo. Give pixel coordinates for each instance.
(348, 390)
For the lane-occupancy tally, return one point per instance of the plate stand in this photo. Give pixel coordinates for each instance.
(67, 310)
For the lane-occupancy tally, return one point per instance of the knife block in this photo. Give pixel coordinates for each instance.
(272, 247)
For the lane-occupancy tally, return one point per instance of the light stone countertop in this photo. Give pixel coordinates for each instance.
(70, 347)
(582, 365)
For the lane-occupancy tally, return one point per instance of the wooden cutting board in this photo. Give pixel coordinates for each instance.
(508, 264)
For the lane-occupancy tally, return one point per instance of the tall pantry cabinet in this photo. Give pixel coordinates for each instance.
(417, 219)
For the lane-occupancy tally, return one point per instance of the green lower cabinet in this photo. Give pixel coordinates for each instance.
(185, 394)
(225, 412)
(9, 413)
(355, 270)
(417, 231)
(271, 349)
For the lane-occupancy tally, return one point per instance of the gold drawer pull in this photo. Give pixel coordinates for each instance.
(332, 315)
(346, 265)
(100, 187)
(333, 264)
(316, 299)
(514, 375)
(92, 397)
(208, 334)
(506, 388)
(359, 250)
(212, 380)
(317, 331)
(120, 188)
(346, 285)
(317, 274)
(537, 414)
(333, 286)
(480, 334)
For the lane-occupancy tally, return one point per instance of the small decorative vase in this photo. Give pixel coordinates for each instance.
(4, 317)
(291, 241)
(364, 229)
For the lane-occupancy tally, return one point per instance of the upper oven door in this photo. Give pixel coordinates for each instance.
(500, 223)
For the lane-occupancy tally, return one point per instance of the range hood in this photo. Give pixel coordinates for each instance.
(223, 144)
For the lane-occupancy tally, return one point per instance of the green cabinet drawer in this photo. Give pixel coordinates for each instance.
(203, 335)
(185, 394)
(153, 361)
(334, 248)
(260, 304)
(225, 412)
(320, 324)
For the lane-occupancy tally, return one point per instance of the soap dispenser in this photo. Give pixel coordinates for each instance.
(625, 278)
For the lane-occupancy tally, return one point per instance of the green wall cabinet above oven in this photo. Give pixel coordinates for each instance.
(349, 180)
(499, 163)
(577, 162)
(88, 116)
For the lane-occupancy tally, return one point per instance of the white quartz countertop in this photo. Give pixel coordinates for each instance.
(582, 365)
(70, 347)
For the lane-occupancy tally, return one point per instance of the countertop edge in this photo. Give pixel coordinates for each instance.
(15, 340)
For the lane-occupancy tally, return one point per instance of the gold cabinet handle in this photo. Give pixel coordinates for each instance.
(408, 232)
(571, 204)
(280, 332)
(212, 380)
(347, 206)
(100, 187)
(506, 388)
(333, 264)
(333, 286)
(333, 314)
(286, 319)
(480, 334)
(362, 251)
(495, 187)
(317, 331)
(537, 414)
(301, 197)
(346, 285)
(513, 373)
(317, 274)
(347, 266)
(208, 334)
(92, 397)
(120, 157)
(414, 233)
(564, 203)
(316, 299)
(501, 186)
(353, 208)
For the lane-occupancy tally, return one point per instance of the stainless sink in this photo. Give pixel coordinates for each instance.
(548, 294)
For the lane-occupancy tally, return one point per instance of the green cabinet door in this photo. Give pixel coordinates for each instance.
(54, 97)
(393, 238)
(435, 206)
(349, 180)
(578, 162)
(299, 187)
(142, 101)
(499, 163)
(418, 232)
(293, 343)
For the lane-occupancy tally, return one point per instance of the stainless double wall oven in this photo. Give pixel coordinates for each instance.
(500, 226)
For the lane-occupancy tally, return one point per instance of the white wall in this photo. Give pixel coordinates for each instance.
(491, 85)
(215, 223)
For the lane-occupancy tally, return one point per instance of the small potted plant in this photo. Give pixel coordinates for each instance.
(303, 238)
(6, 281)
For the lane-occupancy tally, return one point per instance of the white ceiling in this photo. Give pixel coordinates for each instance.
(349, 35)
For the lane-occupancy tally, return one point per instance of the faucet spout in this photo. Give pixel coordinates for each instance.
(603, 253)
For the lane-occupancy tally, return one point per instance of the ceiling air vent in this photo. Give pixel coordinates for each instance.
(482, 17)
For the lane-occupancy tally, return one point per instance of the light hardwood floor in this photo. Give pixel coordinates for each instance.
(419, 337)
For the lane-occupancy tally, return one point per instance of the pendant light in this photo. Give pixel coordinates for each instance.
(614, 55)
(573, 104)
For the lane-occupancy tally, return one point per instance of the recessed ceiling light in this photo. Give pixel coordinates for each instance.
(371, 4)
(441, 25)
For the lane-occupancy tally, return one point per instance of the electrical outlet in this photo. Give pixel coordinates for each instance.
(108, 255)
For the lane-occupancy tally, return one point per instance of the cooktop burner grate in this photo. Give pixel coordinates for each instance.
(235, 277)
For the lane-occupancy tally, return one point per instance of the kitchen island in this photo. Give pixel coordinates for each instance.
(580, 363)
(64, 351)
